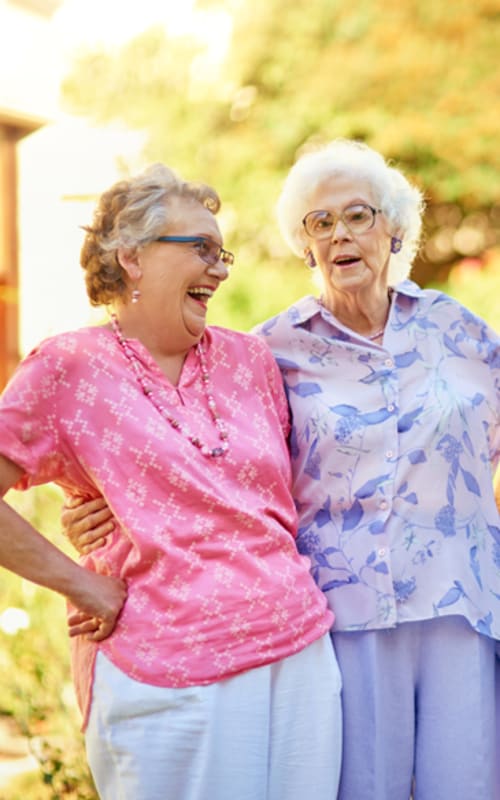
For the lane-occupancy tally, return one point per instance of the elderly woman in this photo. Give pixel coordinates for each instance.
(199, 692)
(395, 399)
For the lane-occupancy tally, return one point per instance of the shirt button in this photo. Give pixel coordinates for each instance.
(384, 504)
(382, 552)
(389, 453)
(390, 407)
(389, 362)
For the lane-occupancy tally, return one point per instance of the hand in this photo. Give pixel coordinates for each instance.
(98, 601)
(86, 523)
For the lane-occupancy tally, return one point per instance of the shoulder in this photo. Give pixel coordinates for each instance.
(70, 341)
(57, 357)
(288, 320)
(235, 343)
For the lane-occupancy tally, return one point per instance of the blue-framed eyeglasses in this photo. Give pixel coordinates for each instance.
(210, 252)
(358, 218)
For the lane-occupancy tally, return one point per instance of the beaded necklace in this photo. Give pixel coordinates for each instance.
(177, 425)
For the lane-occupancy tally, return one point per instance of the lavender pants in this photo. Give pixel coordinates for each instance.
(419, 704)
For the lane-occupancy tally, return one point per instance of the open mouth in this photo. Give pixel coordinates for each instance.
(346, 261)
(201, 294)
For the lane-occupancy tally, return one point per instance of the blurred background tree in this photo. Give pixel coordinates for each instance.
(416, 80)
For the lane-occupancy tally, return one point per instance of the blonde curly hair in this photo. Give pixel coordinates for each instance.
(131, 214)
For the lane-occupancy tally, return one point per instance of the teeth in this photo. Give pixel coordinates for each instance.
(201, 292)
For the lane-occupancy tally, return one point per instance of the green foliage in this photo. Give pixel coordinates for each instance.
(39, 695)
(476, 284)
(416, 80)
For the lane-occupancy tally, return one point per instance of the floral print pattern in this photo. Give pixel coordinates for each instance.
(393, 448)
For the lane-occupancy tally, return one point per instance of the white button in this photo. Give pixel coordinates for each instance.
(384, 504)
(390, 407)
(382, 552)
(389, 362)
(389, 453)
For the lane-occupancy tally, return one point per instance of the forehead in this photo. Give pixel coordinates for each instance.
(187, 216)
(337, 192)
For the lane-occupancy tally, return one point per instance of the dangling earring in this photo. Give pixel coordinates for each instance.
(309, 259)
(135, 295)
(396, 244)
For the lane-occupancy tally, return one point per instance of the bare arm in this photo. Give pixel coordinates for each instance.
(27, 553)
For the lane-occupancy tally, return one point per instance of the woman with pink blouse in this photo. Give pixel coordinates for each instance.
(218, 680)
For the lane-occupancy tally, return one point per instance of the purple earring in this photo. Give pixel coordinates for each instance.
(396, 244)
(309, 259)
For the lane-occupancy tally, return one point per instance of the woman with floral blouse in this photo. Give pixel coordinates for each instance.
(394, 393)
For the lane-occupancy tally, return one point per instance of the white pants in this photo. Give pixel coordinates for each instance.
(272, 733)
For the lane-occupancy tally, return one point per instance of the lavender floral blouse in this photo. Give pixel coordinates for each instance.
(393, 448)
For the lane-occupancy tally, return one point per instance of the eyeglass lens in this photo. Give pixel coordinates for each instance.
(211, 253)
(358, 218)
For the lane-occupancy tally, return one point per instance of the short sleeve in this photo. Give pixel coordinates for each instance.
(29, 411)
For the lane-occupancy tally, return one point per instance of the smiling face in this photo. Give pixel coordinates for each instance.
(175, 284)
(350, 262)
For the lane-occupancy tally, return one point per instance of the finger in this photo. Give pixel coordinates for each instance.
(74, 514)
(90, 545)
(102, 632)
(88, 627)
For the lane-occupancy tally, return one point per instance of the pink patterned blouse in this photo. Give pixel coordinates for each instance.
(206, 545)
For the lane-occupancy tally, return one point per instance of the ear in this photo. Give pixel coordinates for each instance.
(129, 260)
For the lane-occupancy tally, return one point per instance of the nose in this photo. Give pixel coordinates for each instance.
(340, 231)
(219, 270)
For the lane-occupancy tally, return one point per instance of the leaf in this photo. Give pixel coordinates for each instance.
(407, 359)
(411, 498)
(344, 410)
(376, 527)
(352, 516)
(495, 532)
(450, 344)
(484, 625)
(467, 442)
(374, 417)
(322, 517)
(306, 388)
(337, 583)
(285, 363)
(474, 565)
(417, 457)
(471, 482)
(405, 423)
(370, 487)
(452, 596)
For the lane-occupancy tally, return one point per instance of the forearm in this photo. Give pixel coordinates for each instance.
(27, 553)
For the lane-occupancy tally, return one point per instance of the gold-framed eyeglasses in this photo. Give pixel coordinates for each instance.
(210, 252)
(357, 218)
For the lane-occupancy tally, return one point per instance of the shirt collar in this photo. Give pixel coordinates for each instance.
(310, 306)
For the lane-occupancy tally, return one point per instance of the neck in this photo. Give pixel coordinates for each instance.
(156, 332)
(168, 351)
(367, 317)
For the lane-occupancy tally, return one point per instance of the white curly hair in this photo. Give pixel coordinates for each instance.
(401, 202)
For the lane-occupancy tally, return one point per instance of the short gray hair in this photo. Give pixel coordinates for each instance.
(130, 215)
(401, 202)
